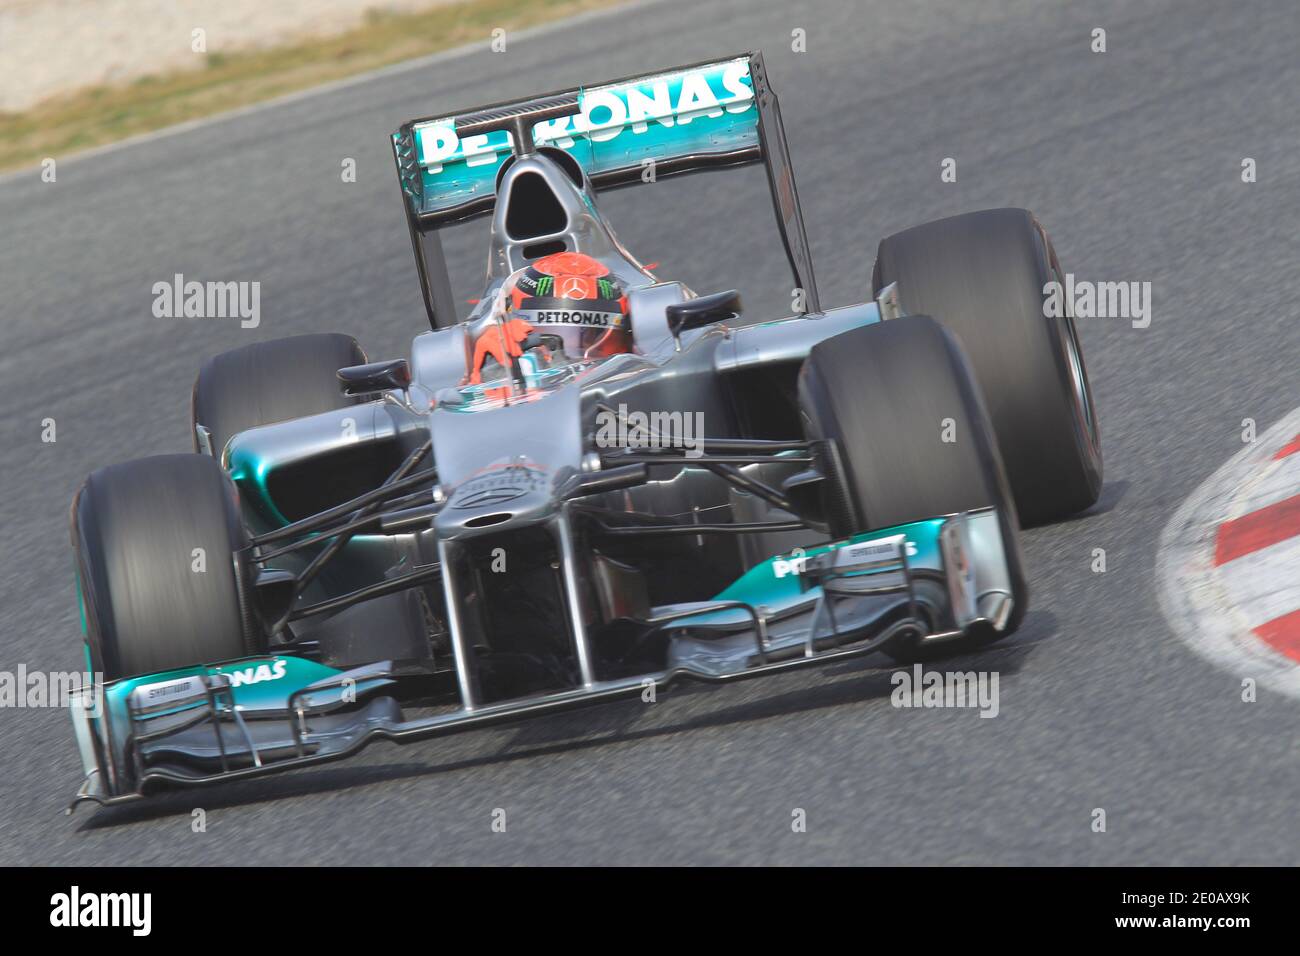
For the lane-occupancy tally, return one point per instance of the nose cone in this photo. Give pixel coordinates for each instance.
(506, 465)
(516, 492)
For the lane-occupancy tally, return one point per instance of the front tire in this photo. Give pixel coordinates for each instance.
(162, 581)
(890, 395)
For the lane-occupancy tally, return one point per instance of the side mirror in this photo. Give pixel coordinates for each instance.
(534, 339)
(375, 377)
(704, 310)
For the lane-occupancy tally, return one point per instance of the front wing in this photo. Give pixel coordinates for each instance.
(930, 580)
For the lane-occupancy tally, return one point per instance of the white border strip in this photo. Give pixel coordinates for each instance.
(1193, 595)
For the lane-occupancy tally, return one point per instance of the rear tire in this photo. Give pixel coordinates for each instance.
(269, 382)
(162, 584)
(982, 275)
(885, 393)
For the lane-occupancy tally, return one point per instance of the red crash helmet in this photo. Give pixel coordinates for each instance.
(573, 296)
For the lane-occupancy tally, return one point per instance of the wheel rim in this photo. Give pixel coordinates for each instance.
(1080, 391)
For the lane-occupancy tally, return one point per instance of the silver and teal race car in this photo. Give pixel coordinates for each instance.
(596, 483)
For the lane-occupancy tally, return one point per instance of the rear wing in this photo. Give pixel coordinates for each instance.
(687, 119)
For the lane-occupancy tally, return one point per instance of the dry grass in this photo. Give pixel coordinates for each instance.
(92, 117)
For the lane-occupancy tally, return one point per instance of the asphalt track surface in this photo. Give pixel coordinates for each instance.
(1132, 160)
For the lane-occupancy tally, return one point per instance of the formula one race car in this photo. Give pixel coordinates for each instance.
(598, 481)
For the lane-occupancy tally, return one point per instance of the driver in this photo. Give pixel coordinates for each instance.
(568, 302)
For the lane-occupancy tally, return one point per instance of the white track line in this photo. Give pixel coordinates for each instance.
(1214, 608)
